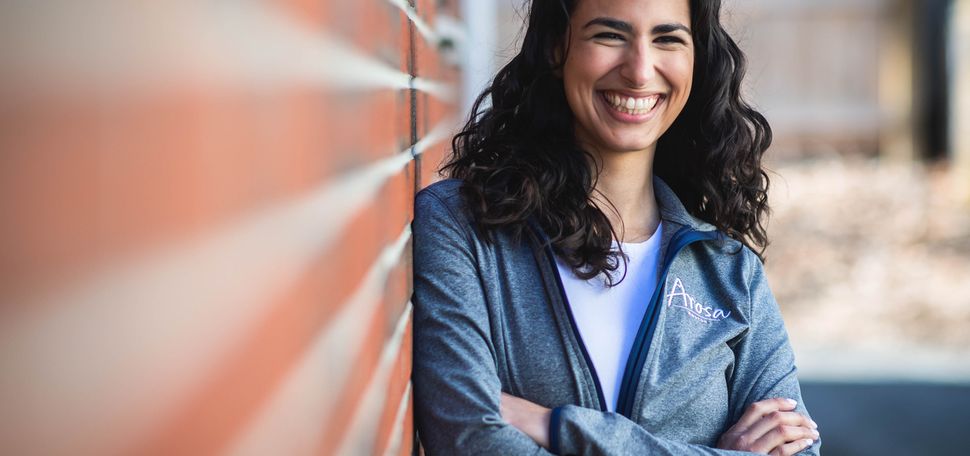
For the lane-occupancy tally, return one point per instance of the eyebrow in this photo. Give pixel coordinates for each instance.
(626, 27)
(670, 28)
(611, 23)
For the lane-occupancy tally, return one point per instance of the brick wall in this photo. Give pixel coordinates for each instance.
(205, 245)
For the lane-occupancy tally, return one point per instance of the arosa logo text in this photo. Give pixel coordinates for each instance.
(678, 297)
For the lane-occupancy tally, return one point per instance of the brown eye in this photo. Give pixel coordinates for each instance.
(669, 39)
(609, 36)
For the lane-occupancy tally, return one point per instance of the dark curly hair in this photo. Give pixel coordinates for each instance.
(518, 158)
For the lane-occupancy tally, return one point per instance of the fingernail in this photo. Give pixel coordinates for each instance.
(808, 442)
(814, 424)
(791, 402)
(815, 434)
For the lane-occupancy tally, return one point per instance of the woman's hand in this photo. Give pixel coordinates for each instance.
(771, 427)
(530, 418)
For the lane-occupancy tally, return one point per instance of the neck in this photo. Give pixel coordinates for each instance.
(626, 181)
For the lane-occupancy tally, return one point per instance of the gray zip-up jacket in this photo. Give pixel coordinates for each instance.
(493, 317)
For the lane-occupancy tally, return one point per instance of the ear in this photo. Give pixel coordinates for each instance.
(558, 60)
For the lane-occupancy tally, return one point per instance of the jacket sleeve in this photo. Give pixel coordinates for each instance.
(764, 369)
(765, 362)
(583, 431)
(456, 386)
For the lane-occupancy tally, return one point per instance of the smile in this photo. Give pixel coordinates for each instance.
(632, 106)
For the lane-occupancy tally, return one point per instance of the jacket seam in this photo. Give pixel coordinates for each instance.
(451, 214)
(752, 270)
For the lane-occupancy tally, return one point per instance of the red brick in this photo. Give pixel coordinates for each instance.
(399, 381)
(408, 442)
(49, 196)
(355, 386)
(313, 12)
(247, 378)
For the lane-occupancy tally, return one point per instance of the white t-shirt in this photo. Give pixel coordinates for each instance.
(609, 318)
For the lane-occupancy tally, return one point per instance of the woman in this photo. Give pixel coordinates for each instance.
(586, 284)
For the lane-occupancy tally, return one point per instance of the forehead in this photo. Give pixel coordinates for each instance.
(639, 13)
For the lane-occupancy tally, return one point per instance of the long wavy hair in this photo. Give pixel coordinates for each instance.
(518, 157)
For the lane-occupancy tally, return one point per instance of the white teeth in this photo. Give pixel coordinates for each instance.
(632, 105)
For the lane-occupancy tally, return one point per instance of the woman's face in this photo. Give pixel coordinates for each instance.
(628, 71)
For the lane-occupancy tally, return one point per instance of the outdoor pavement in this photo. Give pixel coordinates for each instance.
(887, 419)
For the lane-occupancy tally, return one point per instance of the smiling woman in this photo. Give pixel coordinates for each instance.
(626, 82)
(586, 282)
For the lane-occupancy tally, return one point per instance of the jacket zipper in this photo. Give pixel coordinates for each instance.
(641, 345)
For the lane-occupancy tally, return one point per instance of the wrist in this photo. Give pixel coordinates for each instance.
(542, 432)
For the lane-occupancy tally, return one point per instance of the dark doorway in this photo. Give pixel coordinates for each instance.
(932, 80)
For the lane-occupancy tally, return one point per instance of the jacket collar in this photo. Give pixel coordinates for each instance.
(672, 210)
(672, 213)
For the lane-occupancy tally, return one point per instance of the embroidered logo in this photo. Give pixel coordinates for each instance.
(678, 297)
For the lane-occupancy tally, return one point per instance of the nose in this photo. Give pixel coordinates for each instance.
(638, 66)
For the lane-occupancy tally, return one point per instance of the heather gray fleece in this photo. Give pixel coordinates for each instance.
(491, 317)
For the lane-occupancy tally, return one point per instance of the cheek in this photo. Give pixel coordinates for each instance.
(681, 73)
(688, 82)
(586, 65)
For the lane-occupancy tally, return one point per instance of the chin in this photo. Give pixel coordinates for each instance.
(633, 146)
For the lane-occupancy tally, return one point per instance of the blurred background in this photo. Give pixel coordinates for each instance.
(205, 246)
